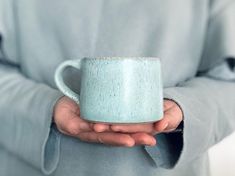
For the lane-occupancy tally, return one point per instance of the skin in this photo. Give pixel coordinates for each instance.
(68, 121)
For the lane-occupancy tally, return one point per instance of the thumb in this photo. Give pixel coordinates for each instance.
(70, 123)
(168, 123)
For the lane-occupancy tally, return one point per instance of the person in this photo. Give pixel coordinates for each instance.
(41, 132)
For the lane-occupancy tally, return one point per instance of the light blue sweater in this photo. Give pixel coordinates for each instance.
(189, 36)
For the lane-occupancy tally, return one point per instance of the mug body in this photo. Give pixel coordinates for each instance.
(121, 90)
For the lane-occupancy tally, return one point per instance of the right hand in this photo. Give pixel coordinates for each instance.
(68, 121)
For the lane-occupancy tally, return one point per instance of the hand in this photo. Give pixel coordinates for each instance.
(172, 118)
(68, 121)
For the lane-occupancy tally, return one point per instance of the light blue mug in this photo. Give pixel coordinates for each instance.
(116, 89)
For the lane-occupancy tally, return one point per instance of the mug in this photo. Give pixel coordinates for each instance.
(116, 89)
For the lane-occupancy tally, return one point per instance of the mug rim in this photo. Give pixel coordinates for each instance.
(123, 58)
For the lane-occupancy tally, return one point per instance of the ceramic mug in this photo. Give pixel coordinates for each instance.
(116, 89)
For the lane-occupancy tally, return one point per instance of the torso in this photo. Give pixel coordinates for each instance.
(42, 34)
(51, 32)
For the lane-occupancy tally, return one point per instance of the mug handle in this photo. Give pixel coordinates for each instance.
(60, 82)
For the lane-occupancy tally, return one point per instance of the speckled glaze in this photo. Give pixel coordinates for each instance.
(117, 89)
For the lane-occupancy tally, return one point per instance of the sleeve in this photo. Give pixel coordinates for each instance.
(25, 116)
(207, 100)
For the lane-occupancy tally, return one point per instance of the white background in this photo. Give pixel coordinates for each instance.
(222, 157)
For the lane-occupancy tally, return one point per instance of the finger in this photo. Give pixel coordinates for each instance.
(169, 130)
(72, 124)
(101, 127)
(143, 139)
(109, 138)
(147, 128)
(169, 122)
(168, 105)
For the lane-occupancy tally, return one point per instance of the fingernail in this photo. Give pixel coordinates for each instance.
(115, 128)
(130, 144)
(154, 142)
(165, 126)
(99, 129)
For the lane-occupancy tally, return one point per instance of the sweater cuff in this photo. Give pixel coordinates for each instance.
(50, 152)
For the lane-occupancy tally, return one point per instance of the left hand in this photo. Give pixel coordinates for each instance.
(172, 118)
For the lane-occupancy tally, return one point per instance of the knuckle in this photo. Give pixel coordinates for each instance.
(72, 128)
